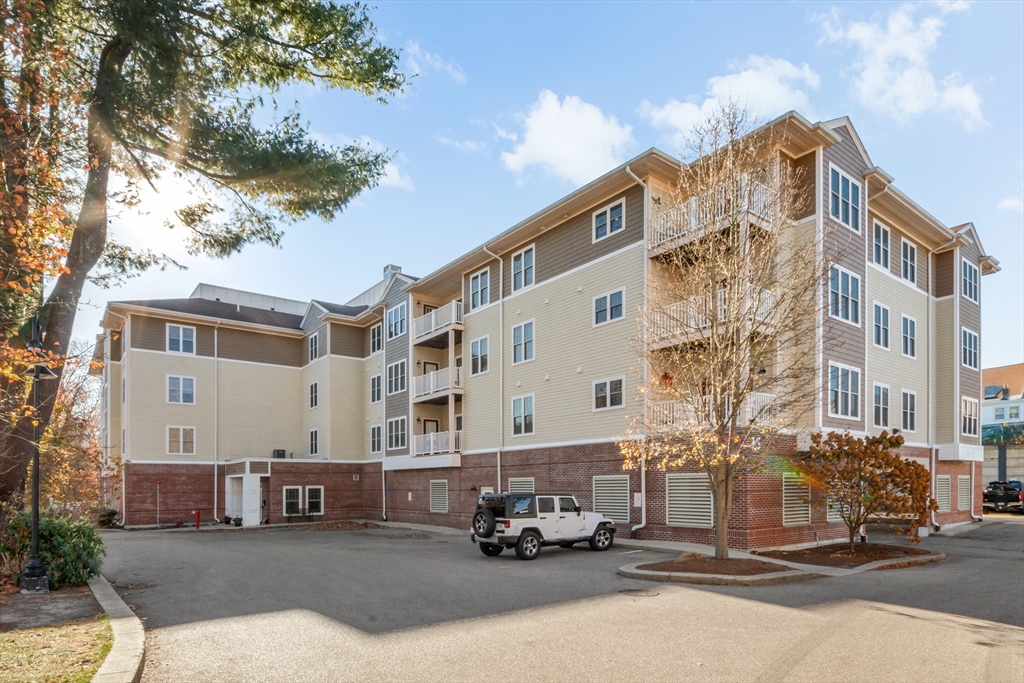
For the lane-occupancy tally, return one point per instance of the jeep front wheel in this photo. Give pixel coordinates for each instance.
(602, 539)
(528, 546)
(491, 550)
(483, 523)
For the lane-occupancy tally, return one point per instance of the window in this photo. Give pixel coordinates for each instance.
(1000, 413)
(376, 338)
(611, 496)
(969, 348)
(314, 500)
(942, 492)
(844, 391)
(608, 394)
(396, 321)
(396, 377)
(522, 415)
(478, 356)
(845, 206)
(522, 269)
(181, 339)
(881, 406)
(909, 262)
(909, 422)
(522, 342)
(375, 439)
(479, 289)
(520, 484)
(181, 440)
(396, 433)
(545, 505)
(844, 291)
(969, 419)
(375, 383)
(969, 285)
(314, 442)
(439, 495)
(689, 501)
(313, 397)
(523, 506)
(608, 307)
(314, 346)
(181, 389)
(881, 250)
(882, 326)
(909, 337)
(963, 492)
(609, 220)
(796, 500)
(1014, 412)
(292, 500)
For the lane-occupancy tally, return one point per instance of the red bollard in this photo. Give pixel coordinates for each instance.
(197, 520)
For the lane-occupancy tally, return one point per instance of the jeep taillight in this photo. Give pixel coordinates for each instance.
(508, 523)
(1020, 496)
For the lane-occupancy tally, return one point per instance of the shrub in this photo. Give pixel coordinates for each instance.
(105, 518)
(70, 550)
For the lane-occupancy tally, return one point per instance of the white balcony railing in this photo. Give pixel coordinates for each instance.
(438, 319)
(437, 442)
(695, 313)
(437, 381)
(668, 415)
(683, 219)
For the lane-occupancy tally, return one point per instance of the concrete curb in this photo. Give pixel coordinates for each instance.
(125, 660)
(630, 571)
(912, 561)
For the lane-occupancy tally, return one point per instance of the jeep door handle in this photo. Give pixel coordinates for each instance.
(561, 516)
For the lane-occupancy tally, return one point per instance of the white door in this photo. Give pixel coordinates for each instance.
(429, 367)
(547, 517)
(252, 500)
(233, 497)
(430, 426)
(570, 522)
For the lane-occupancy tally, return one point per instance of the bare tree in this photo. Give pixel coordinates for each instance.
(731, 326)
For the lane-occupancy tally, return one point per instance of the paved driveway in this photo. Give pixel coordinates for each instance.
(393, 605)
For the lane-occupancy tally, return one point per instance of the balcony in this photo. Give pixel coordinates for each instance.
(692, 315)
(427, 328)
(681, 223)
(678, 415)
(436, 443)
(434, 387)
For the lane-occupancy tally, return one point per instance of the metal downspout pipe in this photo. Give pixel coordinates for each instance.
(501, 361)
(216, 426)
(643, 461)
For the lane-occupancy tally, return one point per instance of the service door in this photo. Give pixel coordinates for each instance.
(547, 517)
(253, 502)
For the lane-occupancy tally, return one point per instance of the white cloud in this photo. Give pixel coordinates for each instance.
(418, 58)
(571, 139)
(393, 176)
(502, 133)
(766, 86)
(1011, 204)
(892, 74)
(465, 145)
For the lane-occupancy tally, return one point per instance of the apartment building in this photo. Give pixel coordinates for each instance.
(515, 367)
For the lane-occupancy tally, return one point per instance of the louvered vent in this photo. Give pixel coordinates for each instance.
(796, 500)
(439, 495)
(611, 497)
(834, 511)
(520, 484)
(942, 492)
(689, 501)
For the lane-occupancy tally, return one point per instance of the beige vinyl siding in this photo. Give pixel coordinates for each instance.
(946, 347)
(348, 340)
(370, 413)
(349, 407)
(493, 276)
(896, 239)
(259, 411)
(481, 402)
(149, 332)
(114, 446)
(318, 418)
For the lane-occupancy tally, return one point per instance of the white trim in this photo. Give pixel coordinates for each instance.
(888, 326)
(387, 434)
(314, 395)
(181, 390)
(380, 388)
(977, 349)
(380, 436)
(908, 392)
(181, 439)
(552, 444)
(888, 405)
(478, 309)
(913, 338)
(533, 341)
(487, 270)
(610, 320)
(315, 514)
(181, 340)
(580, 267)
(313, 440)
(963, 416)
(405, 321)
(977, 280)
(594, 239)
(533, 415)
(911, 286)
(608, 381)
(913, 246)
(533, 267)
(380, 326)
(338, 355)
(888, 245)
(387, 377)
(313, 348)
(860, 295)
(486, 338)
(828, 388)
(860, 197)
(284, 501)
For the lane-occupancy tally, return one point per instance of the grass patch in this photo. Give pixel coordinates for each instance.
(70, 653)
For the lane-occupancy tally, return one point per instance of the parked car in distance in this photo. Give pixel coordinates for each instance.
(528, 521)
(1004, 496)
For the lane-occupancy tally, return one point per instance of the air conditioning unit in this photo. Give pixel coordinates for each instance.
(279, 453)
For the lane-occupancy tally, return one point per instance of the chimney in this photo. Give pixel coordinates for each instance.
(391, 270)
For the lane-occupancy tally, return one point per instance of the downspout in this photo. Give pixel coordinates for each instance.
(216, 400)
(501, 361)
(383, 488)
(643, 461)
(976, 518)
(932, 451)
(931, 387)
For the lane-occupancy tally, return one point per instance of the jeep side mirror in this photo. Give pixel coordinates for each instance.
(578, 509)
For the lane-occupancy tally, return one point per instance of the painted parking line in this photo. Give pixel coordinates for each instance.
(630, 552)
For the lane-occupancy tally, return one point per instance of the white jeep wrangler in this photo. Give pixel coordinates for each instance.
(527, 521)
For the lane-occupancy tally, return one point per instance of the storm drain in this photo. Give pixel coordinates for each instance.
(639, 592)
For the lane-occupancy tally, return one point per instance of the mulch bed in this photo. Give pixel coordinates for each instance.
(838, 555)
(305, 526)
(709, 565)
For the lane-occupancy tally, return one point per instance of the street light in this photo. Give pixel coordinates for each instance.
(34, 579)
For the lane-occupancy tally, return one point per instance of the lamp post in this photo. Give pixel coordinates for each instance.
(34, 579)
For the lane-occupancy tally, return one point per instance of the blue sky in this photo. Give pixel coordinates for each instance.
(512, 106)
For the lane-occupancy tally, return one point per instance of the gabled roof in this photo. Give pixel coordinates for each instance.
(217, 310)
(845, 121)
(340, 309)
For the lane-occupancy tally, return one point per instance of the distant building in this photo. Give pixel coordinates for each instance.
(1002, 420)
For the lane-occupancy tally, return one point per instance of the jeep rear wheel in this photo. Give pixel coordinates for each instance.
(491, 550)
(483, 523)
(602, 539)
(528, 546)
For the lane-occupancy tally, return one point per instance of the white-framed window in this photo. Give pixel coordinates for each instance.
(796, 500)
(396, 433)
(375, 438)
(909, 337)
(292, 500)
(963, 492)
(1000, 413)
(611, 496)
(909, 411)
(1014, 412)
(843, 391)
(314, 442)
(522, 415)
(375, 388)
(844, 295)
(439, 495)
(480, 289)
(689, 501)
(522, 269)
(314, 500)
(314, 395)
(521, 485)
(522, 342)
(478, 355)
(376, 338)
(968, 348)
(609, 220)
(181, 440)
(881, 405)
(845, 196)
(969, 285)
(396, 321)
(314, 346)
(396, 377)
(908, 262)
(942, 492)
(880, 251)
(181, 389)
(969, 416)
(608, 393)
(181, 339)
(881, 328)
(608, 307)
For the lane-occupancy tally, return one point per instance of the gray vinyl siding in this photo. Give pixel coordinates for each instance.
(970, 317)
(320, 329)
(493, 268)
(366, 338)
(115, 346)
(942, 280)
(260, 348)
(397, 405)
(148, 332)
(347, 340)
(802, 179)
(947, 346)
